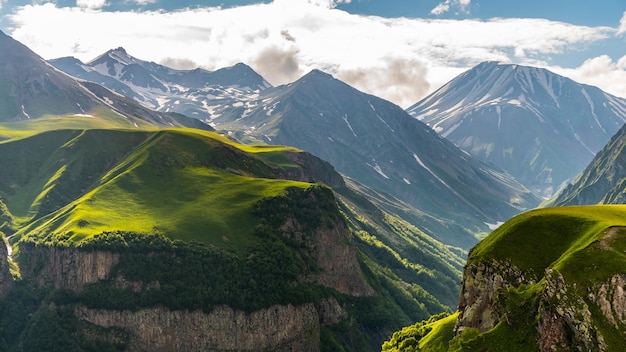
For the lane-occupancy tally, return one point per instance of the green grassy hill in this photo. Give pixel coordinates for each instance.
(179, 182)
(566, 262)
(205, 201)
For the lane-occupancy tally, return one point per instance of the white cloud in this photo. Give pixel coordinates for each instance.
(143, 2)
(622, 25)
(445, 6)
(600, 71)
(441, 8)
(398, 59)
(91, 4)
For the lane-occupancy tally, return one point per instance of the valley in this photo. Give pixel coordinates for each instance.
(157, 209)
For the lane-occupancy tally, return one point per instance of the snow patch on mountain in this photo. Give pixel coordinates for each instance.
(377, 168)
(345, 118)
(419, 161)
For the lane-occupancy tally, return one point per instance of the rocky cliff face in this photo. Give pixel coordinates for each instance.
(568, 319)
(481, 305)
(6, 280)
(66, 267)
(278, 328)
(283, 327)
(335, 254)
(565, 318)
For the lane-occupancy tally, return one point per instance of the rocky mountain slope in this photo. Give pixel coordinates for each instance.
(366, 138)
(30, 88)
(120, 232)
(603, 181)
(540, 127)
(379, 145)
(547, 280)
(195, 93)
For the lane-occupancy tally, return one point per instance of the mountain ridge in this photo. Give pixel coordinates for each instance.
(378, 144)
(32, 89)
(188, 92)
(540, 127)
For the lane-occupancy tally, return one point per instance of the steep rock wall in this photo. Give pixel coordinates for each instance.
(611, 298)
(566, 321)
(335, 254)
(565, 318)
(6, 279)
(65, 267)
(278, 328)
(480, 305)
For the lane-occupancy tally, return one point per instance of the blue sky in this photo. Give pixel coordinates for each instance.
(400, 50)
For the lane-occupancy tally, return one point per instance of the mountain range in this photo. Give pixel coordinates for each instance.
(108, 212)
(194, 93)
(540, 127)
(339, 219)
(30, 88)
(366, 138)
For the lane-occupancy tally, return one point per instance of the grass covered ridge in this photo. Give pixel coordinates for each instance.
(584, 244)
(67, 185)
(549, 237)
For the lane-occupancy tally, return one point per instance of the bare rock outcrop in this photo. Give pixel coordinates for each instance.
(565, 318)
(65, 267)
(480, 305)
(336, 257)
(278, 328)
(6, 279)
(611, 298)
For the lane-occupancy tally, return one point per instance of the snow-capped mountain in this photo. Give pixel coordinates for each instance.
(366, 138)
(540, 127)
(379, 144)
(195, 93)
(31, 88)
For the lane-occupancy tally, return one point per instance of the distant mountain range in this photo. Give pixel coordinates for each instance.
(194, 93)
(366, 138)
(115, 225)
(31, 88)
(540, 127)
(378, 144)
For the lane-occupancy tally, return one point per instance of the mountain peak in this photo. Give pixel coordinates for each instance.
(318, 77)
(119, 49)
(506, 112)
(118, 55)
(319, 74)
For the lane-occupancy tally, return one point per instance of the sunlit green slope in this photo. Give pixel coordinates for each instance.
(76, 183)
(559, 267)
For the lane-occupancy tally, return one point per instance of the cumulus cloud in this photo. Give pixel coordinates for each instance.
(622, 25)
(601, 71)
(143, 2)
(278, 66)
(400, 80)
(400, 59)
(443, 7)
(91, 4)
(178, 63)
(328, 3)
